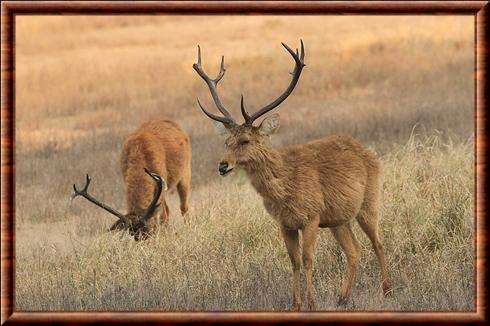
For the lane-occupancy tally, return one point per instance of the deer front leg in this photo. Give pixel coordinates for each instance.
(309, 243)
(164, 214)
(291, 239)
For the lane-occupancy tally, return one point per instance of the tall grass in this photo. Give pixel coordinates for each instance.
(231, 256)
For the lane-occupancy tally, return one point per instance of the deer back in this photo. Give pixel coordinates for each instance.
(161, 146)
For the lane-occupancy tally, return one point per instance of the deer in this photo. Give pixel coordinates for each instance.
(325, 183)
(159, 149)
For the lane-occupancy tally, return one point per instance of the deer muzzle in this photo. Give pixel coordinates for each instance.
(224, 168)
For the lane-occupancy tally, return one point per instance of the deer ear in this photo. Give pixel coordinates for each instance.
(269, 125)
(221, 128)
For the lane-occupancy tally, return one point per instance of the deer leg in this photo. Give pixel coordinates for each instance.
(183, 189)
(164, 214)
(291, 238)
(347, 241)
(309, 242)
(368, 220)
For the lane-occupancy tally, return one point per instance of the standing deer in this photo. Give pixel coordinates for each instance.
(163, 148)
(325, 183)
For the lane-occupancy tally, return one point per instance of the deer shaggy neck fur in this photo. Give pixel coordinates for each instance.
(325, 178)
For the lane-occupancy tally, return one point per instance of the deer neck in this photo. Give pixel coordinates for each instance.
(268, 173)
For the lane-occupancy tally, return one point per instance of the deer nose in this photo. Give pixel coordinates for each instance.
(223, 167)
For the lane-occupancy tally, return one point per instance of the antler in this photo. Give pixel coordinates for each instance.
(156, 195)
(212, 84)
(299, 64)
(87, 196)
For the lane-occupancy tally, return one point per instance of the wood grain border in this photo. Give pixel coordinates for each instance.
(9, 9)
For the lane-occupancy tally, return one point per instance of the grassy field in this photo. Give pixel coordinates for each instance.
(402, 85)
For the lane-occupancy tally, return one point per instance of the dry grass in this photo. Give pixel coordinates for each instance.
(84, 82)
(231, 256)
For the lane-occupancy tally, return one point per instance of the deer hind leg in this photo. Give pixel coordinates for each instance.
(183, 188)
(368, 220)
(291, 238)
(349, 244)
(309, 242)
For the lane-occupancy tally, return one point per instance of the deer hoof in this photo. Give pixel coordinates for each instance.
(387, 291)
(342, 301)
(311, 305)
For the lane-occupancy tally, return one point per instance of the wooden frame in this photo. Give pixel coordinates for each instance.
(9, 9)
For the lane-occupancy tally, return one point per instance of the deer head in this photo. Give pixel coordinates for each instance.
(138, 226)
(245, 142)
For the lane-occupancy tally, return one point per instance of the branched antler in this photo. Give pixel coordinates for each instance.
(299, 59)
(213, 84)
(84, 193)
(227, 119)
(160, 183)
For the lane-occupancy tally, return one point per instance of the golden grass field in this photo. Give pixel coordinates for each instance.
(402, 85)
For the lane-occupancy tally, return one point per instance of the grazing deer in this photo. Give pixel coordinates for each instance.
(163, 148)
(325, 183)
